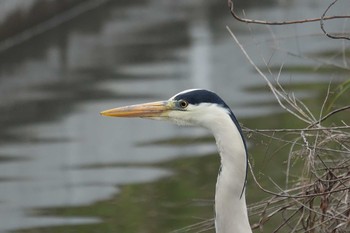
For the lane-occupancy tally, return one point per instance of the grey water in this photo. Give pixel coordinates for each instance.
(54, 84)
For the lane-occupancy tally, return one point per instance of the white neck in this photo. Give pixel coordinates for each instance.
(230, 203)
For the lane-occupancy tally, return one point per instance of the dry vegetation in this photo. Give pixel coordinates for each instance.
(315, 198)
(319, 198)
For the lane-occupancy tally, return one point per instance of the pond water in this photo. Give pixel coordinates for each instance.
(64, 168)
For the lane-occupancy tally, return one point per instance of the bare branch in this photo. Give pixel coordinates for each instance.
(323, 18)
(287, 22)
(254, 21)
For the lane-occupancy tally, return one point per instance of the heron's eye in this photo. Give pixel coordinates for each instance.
(183, 103)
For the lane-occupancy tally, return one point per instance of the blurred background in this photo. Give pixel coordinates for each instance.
(64, 168)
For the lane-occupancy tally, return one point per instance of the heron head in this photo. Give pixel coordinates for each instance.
(190, 107)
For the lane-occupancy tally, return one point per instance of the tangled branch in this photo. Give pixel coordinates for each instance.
(320, 19)
(319, 200)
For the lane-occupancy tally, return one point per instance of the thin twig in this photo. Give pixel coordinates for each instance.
(330, 114)
(295, 130)
(276, 93)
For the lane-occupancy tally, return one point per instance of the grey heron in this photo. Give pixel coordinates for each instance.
(204, 108)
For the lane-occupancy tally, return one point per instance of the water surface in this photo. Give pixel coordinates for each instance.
(63, 166)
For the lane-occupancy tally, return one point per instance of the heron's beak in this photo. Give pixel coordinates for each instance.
(149, 110)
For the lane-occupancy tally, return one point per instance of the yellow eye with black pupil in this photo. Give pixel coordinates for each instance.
(183, 103)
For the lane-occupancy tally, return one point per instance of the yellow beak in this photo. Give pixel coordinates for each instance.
(154, 109)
